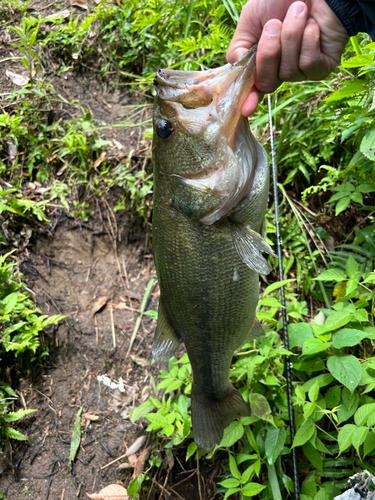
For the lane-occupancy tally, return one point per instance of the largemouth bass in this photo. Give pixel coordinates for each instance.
(211, 183)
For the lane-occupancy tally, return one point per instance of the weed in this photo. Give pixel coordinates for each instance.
(21, 324)
(28, 33)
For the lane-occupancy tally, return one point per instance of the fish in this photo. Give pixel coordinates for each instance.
(211, 182)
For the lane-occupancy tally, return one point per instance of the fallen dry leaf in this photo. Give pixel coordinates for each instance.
(139, 360)
(101, 158)
(92, 418)
(98, 304)
(133, 460)
(110, 492)
(17, 79)
(116, 143)
(141, 462)
(78, 3)
(125, 466)
(121, 305)
(138, 443)
(62, 13)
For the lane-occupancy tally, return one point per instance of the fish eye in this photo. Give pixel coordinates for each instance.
(164, 129)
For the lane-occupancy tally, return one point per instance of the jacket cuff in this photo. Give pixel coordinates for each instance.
(350, 14)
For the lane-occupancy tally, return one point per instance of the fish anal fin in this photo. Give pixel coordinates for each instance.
(166, 341)
(210, 416)
(249, 244)
(255, 331)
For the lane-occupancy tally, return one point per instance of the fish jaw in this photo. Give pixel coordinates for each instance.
(205, 107)
(221, 91)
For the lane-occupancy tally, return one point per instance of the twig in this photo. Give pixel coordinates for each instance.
(62, 494)
(126, 274)
(96, 330)
(113, 461)
(199, 478)
(110, 305)
(105, 449)
(186, 478)
(144, 303)
(165, 490)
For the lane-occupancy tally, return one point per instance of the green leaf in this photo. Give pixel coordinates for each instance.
(10, 301)
(358, 436)
(332, 396)
(191, 450)
(298, 333)
(363, 413)
(230, 483)
(313, 346)
(323, 380)
(351, 267)
(252, 489)
(246, 475)
(230, 492)
(367, 146)
(345, 436)
(348, 406)
(331, 275)
(276, 286)
(13, 416)
(76, 436)
(347, 337)
(322, 495)
(342, 204)
(335, 321)
(346, 369)
(142, 410)
(313, 456)
(275, 440)
(14, 434)
(233, 468)
(260, 407)
(232, 434)
(349, 89)
(314, 392)
(304, 433)
(369, 443)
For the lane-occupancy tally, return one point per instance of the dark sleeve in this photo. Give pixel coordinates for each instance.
(355, 15)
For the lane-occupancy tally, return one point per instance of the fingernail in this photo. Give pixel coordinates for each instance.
(272, 28)
(311, 21)
(297, 8)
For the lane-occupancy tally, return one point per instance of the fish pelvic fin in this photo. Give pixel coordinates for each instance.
(249, 244)
(166, 341)
(211, 416)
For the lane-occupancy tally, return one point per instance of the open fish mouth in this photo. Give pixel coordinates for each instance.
(208, 104)
(221, 92)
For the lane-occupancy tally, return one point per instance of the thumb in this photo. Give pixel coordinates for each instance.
(247, 33)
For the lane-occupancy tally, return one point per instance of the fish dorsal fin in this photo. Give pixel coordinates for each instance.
(166, 342)
(249, 244)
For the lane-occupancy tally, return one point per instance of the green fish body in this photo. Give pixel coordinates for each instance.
(211, 182)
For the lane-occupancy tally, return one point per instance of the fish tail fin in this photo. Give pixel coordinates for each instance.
(211, 416)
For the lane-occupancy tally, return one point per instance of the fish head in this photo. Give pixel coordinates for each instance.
(199, 131)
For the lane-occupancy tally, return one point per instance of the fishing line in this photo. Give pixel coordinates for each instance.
(288, 364)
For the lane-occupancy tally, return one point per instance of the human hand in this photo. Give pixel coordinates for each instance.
(297, 40)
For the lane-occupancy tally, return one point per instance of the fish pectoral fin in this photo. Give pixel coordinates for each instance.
(166, 342)
(249, 244)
